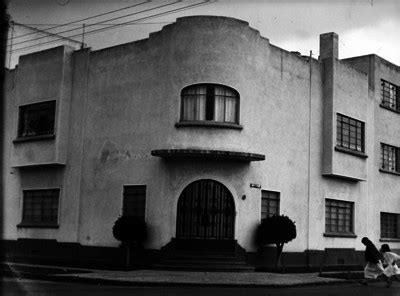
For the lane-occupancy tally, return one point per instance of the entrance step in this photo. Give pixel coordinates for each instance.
(204, 255)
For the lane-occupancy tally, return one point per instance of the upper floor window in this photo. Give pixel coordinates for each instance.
(40, 207)
(339, 217)
(390, 96)
(350, 133)
(390, 158)
(134, 201)
(36, 119)
(210, 102)
(269, 203)
(390, 225)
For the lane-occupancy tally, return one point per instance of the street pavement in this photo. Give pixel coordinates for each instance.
(166, 277)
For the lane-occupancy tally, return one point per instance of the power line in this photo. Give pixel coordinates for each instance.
(120, 25)
(95, 24)
(101, 22)
(88, 18)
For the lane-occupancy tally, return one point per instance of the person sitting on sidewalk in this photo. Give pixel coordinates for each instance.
(390, 267)
(374, 268)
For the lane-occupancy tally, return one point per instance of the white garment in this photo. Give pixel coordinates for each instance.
(372, 271)
(391, 268)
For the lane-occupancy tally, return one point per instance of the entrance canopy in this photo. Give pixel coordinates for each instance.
(207, 154)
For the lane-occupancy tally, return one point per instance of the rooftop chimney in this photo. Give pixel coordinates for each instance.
(328, 46)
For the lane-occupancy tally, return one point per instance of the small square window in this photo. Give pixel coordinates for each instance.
(390, 96)
(390, 158)
(269, 203)
(390, 225)
(40, 207)
(339, 216)
(349, 133)
(36, 119)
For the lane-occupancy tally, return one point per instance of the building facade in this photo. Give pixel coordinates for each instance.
(202, 129)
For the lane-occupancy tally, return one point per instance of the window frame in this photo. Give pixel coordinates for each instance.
(396, 161)
(392, 104)
(384, 234)
(269, 199)
(24, 111)
(210, 107)
(30, 223)
(124, 200)
(339, 233)
(344, 141)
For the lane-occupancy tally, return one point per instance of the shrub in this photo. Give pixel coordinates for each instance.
(278, 230)
(130, 229)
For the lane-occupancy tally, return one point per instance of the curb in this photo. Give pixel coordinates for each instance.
(116, 282)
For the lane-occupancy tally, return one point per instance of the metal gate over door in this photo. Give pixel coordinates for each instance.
(206, 210)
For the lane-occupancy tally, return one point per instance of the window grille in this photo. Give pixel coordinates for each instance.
(390, 158)
(210, 102)
(40, 206)
(350, 133)
(134, 201)
(390, 96)
(37, 119)
(390, 225)
(338, 216)
(269, 203)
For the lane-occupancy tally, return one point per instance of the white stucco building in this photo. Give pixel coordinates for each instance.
(202, 129)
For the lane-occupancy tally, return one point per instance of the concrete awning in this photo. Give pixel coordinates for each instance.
(207, 154)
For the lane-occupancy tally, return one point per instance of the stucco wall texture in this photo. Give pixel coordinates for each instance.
(116, 105)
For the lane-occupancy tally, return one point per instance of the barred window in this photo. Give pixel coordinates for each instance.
(134, 201)
(339, 216)
(210, 102)
(350, 133)
(40, 207)
(390, 158)
(390, 225)
(269, 203)
(36, 119)
(390, 96)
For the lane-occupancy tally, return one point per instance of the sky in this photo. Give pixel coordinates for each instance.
(364, 26)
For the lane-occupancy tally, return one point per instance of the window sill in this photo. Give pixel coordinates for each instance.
(34, 138)
(390, 109)
(34, 225)
(352, 152)
(389, 240)
(389, 172)
(340, 234)
(213, 124)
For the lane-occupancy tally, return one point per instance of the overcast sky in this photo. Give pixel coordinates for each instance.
(364, 26)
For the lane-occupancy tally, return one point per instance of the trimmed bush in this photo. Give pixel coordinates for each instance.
(130, 229)
(278, 230)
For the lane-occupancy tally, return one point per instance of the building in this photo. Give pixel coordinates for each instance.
(23, 39)
(202, 129)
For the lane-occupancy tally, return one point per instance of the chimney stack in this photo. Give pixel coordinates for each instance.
(328, 46)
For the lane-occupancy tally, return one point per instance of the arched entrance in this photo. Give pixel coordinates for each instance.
(206, 210)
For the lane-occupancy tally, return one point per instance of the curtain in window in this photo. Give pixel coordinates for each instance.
(194, 103)
(219, 112)
(230, 106)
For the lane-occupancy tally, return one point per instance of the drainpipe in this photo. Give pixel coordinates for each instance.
(309, 165)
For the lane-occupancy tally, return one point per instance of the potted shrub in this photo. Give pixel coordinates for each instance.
(278, 230)
(131, 231)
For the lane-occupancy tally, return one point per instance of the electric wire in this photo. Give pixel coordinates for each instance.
(87, 18)
(101, 22)
(117, 25)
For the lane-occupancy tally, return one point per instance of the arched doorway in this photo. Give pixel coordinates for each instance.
(206, 210)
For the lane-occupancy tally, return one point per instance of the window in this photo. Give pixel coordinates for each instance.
(36, 119)
(390, 158)
(134, 201)
(338, 216)
(390, 96)
(269, 203)
(40, 207)
(350, 133)
(209, 102)
(390, 225)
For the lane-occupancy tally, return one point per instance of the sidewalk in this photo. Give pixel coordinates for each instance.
(166, 277)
